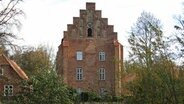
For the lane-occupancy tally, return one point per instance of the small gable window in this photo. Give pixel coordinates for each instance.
(2, 67)
(1, 71)
(89, 32)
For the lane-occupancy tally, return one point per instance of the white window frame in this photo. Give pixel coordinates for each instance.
(101, 56)
(79, 90)
(102, 74)
(79, 73)
(8, 90)
(79, 55)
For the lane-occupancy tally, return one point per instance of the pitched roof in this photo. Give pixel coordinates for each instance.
(5, 61)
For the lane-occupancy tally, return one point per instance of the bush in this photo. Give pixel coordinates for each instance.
(117, 98)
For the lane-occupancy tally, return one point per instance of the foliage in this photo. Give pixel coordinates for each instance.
(10, 16)
(34, 60)
(161, 85)
(91, 97)
(94, 97)
(146, 39)
(158, 79)
(72, 94)
(132, 67)
(47, 89)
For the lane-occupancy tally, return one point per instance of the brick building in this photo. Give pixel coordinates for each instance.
(10, 76)
(90, 57)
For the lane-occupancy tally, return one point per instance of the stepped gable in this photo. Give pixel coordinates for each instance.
(90, 18)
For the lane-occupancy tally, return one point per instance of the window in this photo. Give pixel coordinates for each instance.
(89, 25)
(1, 71)
(102, 74)
(101, 56)
(79, 55)
(79, 74)
(89, 32)
(8, 90)
(79, 91)
(103, 91)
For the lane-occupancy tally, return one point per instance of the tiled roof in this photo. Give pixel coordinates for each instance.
(4, 61)
(19, 71)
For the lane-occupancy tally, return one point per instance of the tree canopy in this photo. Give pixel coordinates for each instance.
(33, 60)
(48, 88)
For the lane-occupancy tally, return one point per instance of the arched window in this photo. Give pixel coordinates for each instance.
(79, 55)
(89, 32)
(101, 56)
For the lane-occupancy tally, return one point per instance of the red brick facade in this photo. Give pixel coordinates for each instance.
(10, 75)
(89, 35)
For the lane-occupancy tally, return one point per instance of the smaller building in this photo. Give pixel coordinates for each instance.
(10, 76)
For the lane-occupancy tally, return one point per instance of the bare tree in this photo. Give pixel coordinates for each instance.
(9, 21)
(146, 39)
(180, 35)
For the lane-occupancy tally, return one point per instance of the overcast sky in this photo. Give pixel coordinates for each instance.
(47, 19)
